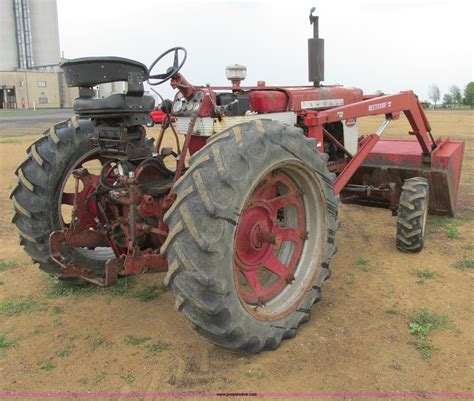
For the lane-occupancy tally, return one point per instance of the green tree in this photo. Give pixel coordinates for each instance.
(447, 100)
(469, 95)
(455, 93)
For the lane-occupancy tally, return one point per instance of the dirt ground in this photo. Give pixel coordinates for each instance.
(53, 338)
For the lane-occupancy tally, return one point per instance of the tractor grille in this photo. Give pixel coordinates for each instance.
(207, 126)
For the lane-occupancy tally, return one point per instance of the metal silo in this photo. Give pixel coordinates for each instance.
(45, 31)
(8, 47)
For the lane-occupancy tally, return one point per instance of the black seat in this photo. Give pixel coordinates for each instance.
(115, 103)
(88, 72)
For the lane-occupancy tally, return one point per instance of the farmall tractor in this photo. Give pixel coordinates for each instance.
(243, 214)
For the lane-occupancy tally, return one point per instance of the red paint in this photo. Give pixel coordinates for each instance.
(158, 115)
(348, 95)
(267, 101)
(365, 147)
(351, 122)
(405, 102)
(259, 235)
(196, 143)
(180, 83)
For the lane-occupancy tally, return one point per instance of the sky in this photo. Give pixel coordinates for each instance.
(387, 45)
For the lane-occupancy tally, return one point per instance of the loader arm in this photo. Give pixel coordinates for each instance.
(391, 106)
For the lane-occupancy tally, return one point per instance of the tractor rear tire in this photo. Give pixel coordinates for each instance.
(207, 235)
(37, 197)
(412, 215)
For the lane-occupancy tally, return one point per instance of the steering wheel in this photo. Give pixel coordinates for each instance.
(171, 71)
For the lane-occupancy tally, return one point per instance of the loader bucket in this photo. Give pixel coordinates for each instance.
(395, 160)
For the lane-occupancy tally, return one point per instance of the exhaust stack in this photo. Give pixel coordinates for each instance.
(315, 52)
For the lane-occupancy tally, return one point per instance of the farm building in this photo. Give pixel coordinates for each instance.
(30, 76)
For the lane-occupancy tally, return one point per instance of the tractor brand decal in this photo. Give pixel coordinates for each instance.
(322, 104)
(350, 122)
(379, 106)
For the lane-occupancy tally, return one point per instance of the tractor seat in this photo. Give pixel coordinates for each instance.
(115, 103)
(91, 71)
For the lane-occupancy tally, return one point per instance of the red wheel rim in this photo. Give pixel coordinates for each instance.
(263, 229)
(66, 199)
(87, 187)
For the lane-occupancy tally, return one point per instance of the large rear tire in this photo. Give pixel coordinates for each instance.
(38, 197)
(251, 234)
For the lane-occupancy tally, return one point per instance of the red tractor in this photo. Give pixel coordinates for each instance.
(243, 217)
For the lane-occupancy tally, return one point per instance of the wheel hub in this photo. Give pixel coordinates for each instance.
(263, 231)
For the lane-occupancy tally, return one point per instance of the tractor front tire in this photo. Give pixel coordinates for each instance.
(38, 196)
(412, 215)
(251, 234)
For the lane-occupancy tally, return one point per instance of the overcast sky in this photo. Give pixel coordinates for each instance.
(390, 45)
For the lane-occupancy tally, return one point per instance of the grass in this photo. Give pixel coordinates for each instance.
(425, 348)
(124, 286)
(58, 288)
(244, 361)
(156, 348)
(47, 366)
(5, 343)
(453, 233)
(350, 279)
(151, 292)
(422, 323)
(132, 340)
(99, 378)
(423, 275)
(442, 221)
(447, 223)
(15, 306)
(1, 282)
(64, 352)
(99, 341)
(467, 263)
(469, 247)
(57, 323)
(420, 326)
(363, 264)
(57, 310)
(4, 266)
(392, 312)
(128, 378)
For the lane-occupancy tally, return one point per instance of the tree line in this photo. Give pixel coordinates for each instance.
(454, 98)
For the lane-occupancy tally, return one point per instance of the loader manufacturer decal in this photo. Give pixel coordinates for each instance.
(380, 106)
